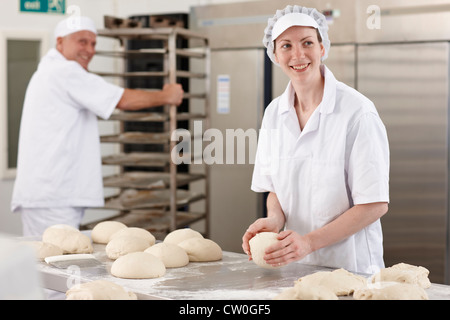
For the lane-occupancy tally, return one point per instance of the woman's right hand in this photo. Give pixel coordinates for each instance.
(269, 224)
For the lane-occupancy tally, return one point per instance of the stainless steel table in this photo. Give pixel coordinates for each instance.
(232, 278)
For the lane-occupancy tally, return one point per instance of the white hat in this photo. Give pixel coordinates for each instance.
(74, 24)
(295, 16)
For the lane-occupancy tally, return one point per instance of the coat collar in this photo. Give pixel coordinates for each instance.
(329, 94)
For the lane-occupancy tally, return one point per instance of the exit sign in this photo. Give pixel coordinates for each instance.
(43, 6)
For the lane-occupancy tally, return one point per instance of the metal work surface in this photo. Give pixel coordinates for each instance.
(232, 278)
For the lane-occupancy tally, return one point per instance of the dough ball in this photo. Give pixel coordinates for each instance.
(135, 232)
(103, 231)
(391, 291)
(180, 235)
(99, 290)
(138, 265)
(404, 273)
(172, 255)
(68, 238)
(120, 246)
(340, 281)
(44, 249)
(258, 245)
(201, 249)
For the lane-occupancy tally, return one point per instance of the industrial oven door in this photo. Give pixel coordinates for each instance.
(408, 82)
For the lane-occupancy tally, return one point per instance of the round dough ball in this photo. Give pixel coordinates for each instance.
(99, 290)
(180, 235)
(258, 245)
(172, 255)
(120, 246)
(44, 249)
(68, 238)
(103, 231)
(138, 265)
(135, 232)
(391, 291)
(201, 249)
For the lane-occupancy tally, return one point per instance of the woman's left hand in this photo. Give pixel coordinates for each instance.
(291, 247)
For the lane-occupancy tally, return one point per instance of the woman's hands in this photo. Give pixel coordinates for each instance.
(268, 224)
(291, 246)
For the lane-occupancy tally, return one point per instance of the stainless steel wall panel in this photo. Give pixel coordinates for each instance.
(403, 20)
(409, 85)
(233, 205)
(241, 25)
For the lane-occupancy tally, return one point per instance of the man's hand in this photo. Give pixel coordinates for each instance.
(173, 93)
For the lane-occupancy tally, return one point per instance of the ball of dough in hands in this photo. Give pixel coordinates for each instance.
(99, 290)
(138, 265)
(179, 235)
(68, 238)
(122, 245)
(201, 249)
(103, 231)
(172, 255)
(258, 245)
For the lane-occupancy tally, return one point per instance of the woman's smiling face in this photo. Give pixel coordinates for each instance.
(299, 52)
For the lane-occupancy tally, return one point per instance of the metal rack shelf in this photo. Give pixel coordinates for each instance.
(157, 199)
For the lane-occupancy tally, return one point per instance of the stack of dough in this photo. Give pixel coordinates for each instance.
(68, 238)
(99, 290)
(399, 282)
(324, 285)
(126, 245)
(195, 245)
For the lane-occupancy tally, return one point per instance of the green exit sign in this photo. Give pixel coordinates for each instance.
(43, 6)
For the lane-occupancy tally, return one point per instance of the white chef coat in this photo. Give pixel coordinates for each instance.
(339, 159)
(59, 160)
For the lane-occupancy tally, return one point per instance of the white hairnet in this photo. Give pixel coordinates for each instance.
(320, 24)
(74, 24)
